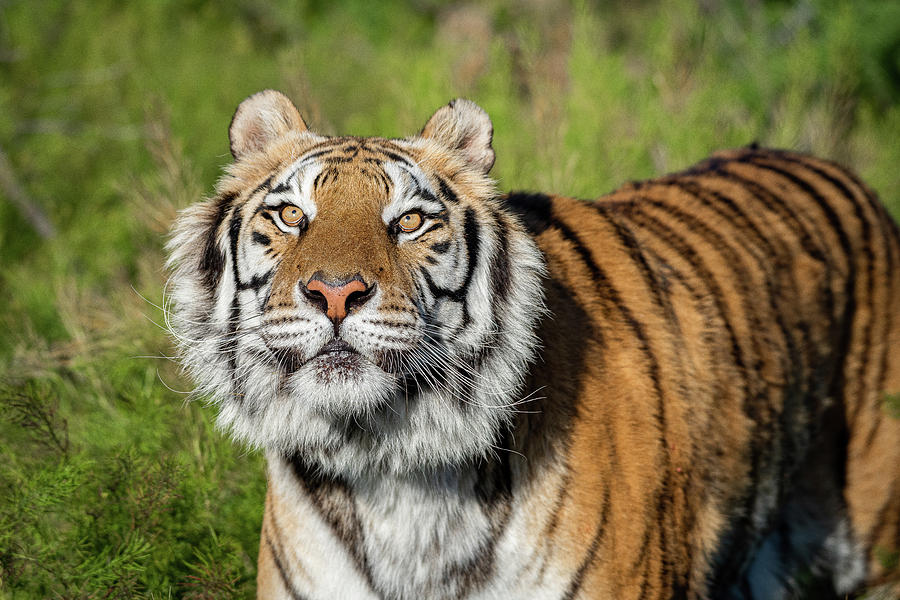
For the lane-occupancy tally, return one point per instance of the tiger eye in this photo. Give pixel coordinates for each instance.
(410, 222)
(291, 215)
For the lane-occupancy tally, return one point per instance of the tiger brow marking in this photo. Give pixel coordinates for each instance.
(396, 158)
(281, 188)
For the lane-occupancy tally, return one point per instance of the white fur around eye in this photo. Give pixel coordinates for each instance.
(295, 187)
(412, 193)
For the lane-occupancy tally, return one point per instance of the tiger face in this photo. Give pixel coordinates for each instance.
(346, 298)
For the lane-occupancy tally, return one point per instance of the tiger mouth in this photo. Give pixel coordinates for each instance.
(335, 356)
(335, 346)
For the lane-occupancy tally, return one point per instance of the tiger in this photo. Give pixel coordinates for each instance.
(677, 390)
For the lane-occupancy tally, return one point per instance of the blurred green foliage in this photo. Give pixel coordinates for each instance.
(115, 116)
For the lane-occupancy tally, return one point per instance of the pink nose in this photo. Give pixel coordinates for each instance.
(337, 299)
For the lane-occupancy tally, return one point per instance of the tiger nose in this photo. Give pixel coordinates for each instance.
(336, 299)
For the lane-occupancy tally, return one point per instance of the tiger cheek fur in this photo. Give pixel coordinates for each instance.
(671, 392)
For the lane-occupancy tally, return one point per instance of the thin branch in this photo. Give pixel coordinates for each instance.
(12, 189)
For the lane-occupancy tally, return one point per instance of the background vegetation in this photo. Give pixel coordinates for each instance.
(115, 116)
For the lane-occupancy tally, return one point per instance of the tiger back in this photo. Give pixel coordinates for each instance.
(675, 391)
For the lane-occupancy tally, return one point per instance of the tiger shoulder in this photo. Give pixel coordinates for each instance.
(677, 390)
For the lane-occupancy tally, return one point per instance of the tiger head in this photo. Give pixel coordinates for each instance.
(365, 303)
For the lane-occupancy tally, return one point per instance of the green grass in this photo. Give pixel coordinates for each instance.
(115, 116)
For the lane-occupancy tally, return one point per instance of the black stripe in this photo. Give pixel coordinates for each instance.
(493, 488)
(751, 393)
(471, 234)
(500, 265)
(333, 500)
(434, 226)
(212, 261)
(799, 361)
(446, 191)
(385, 180)
(281, 187)
(578, 578)
(533, 210)
(261, 238)
(256, 282)
(438, 291)
(771, 201)
(428, 196)
(234, 231)
(609, 293)
(663, 494)
(651, 279)
(562, 493)
(318, 179)
(827, 209)
(846, 331)
(264, 186)
(440, 247)
(395, 157)
(279, 564)
(472, 241)
(742, 276)
(317, 154)
(890, 235)
(866, 239)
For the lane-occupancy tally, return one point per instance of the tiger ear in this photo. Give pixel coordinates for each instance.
(463, 126)
(260, 119)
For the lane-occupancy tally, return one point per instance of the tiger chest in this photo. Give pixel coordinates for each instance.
(383, 537)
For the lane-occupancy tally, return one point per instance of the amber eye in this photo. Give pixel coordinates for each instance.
(410, 222)
(291, 215)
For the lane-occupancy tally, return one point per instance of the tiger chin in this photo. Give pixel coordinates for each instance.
(674, 391)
